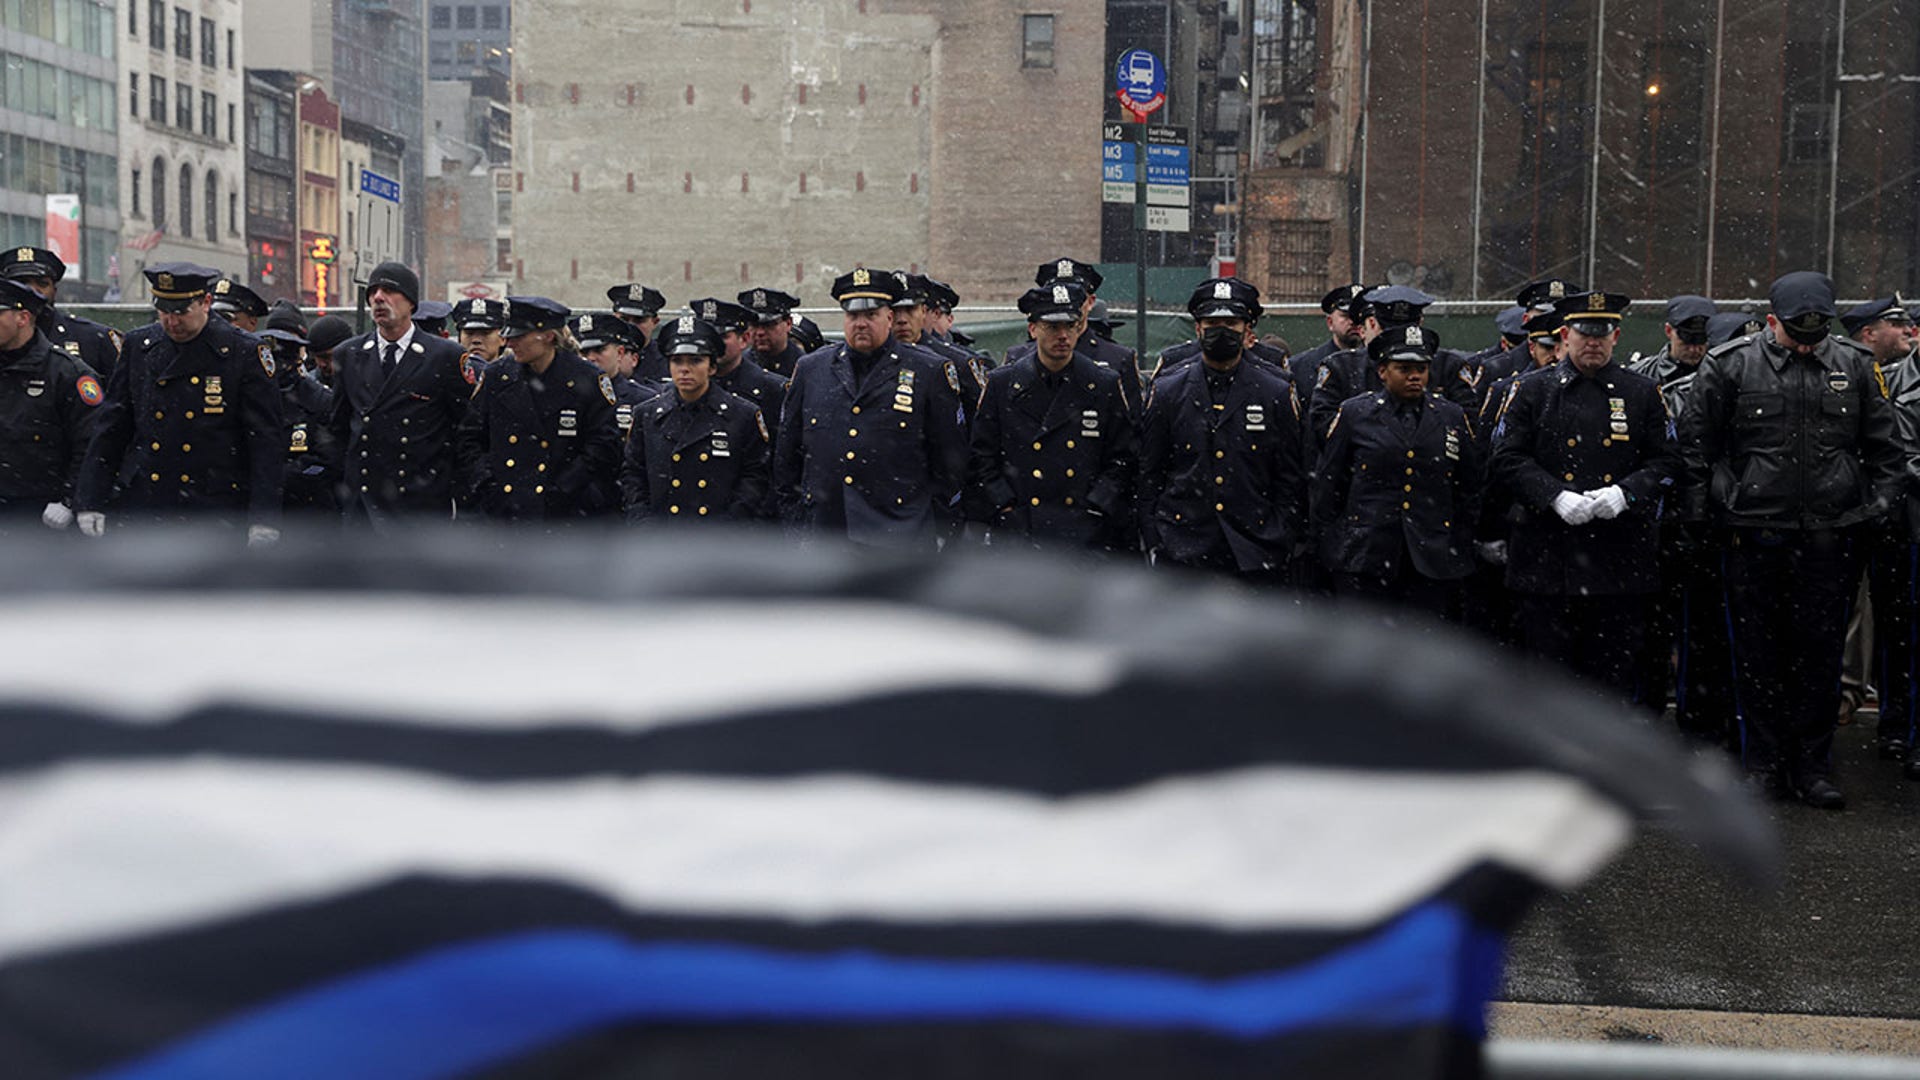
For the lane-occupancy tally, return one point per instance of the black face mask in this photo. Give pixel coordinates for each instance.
(1220, 343)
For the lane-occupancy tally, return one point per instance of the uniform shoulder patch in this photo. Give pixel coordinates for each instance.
(89, 389)
(1337, 414)
(606, 389)
(1320, 380)
(266, 359)
(114, 336)
(479, 381)
(953, 375)
(760, 418)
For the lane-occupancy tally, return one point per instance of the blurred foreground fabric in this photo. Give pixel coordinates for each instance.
(458, 804)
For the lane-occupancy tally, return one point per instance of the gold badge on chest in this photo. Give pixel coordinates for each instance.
(1617, 418)
(903, 393)
(216, 402)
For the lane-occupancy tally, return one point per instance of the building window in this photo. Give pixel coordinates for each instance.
(464, 17)
(442, 17)
(502, 254)
(213, 207)
(209, 116)
(133, 21)
(502, 209)
(230, 123)
(156, 24)
(1298, 253)
(186, 200)
(135, 188)
(229, 50)
(133, 94)
(1807, 132)
(440, 52)
(183, 33)
(469, 52)
(157, 99)
(159, 193)
(1036, 41)
(209, 50)
(183, 108)
(233, 213)
(492, 18)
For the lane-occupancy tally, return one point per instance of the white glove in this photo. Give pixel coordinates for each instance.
(262, 536)
(1608, 502)
(1573, 507)
(1492, 551)
(92, 523)
(56, 516)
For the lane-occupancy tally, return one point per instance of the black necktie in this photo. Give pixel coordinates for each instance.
(391, 361)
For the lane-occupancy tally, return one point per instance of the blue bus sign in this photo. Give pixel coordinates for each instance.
(1141, 83)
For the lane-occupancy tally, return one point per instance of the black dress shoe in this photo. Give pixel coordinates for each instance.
(1893, 748)
(1820, 793)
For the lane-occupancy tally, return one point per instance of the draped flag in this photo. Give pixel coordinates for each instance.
(475, 805)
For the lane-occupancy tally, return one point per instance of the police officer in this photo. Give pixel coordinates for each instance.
(807, 333)
(1690, 589)
(872, 444)
(608, 344)
(476, 323)
(1342, 308)
(942, 301)
(733, 371)
(97, 346)
(771, 331)
(1052, 459)
(48, 399)
(1344, 374)
(431, 317)
(1790, 442)
(1397, 493)
(539, 442)
(1221, 482)
(398, 397)
(1880, 327)
(1117, 358)
(697, 454)
(324, 336)
(1899, 680)
(312, 473)
(191, 424)
(639, 306)
(1258, 353)
(1587, 451)
(962, 369)
(238, 304)
(1535, 300)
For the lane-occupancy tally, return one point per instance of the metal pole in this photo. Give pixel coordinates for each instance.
(1140, 240)
(1593, 204)
(1713, 138)
(1833, 133)
(1479, 147)
(1366, 131)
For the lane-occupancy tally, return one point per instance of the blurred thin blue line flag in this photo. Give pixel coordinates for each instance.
(468, 805)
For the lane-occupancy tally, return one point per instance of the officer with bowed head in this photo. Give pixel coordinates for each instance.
(1343, 310)
(1396, 496)
(48, 399)
(771, 332)
(1052, 460)
(41, 270)
(639, 307)
(609, 344)
(238, 304)
(872, 445)
(1221, 482)
(1587, 452)
(734, 371)
(697, 454)
(191, 427)
(399, 395)
(312, 470)
(1117, 358)
(540, 442)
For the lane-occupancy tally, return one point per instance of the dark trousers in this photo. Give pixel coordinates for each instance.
(1789, 592)
(1687, 656)
(1893, 583)
(1486, 605)
(1595, 637)
(1405, 588)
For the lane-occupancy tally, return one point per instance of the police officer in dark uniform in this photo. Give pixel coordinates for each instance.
(398, 397)
(325, 335)
(238, 304)
(608, 344)
(1396, 495)
(1790, 442)
(96, 345)
(312, 474)
(1587, 451)
(1893, 575)
(909, 330)
(639, 306)
(872, 444)
(1688, 614)
(733, 371)
(807, 333)
(1343, 311)
(191, 427)
(942, 301)
(1259, 353)
(1221, 481)
(478, 321)
(1117, 358)
(772, 330)
(539, 442)
(1536, 300)
(1053, 459)
(1344, 374)
(698, 454)
(48, 400)
(432, 317)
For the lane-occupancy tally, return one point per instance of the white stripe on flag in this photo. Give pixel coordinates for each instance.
(103, 850)
(514, 663)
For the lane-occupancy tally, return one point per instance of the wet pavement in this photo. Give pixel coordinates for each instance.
(1662, 929)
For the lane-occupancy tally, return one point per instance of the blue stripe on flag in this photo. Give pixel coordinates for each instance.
(454, 1010)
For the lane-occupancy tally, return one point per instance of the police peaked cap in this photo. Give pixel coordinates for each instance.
(1409, 343)
(1084, 273)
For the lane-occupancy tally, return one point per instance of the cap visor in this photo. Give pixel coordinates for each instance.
(172, 307)
(1807, 337)
(862, 303)
(1592, 327)
(1220, 311)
